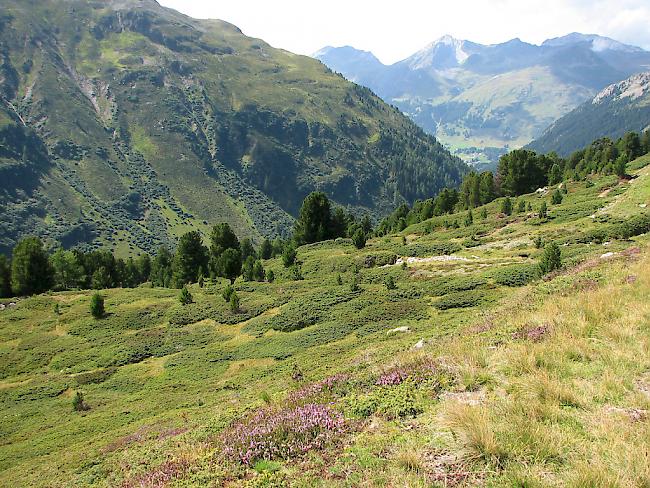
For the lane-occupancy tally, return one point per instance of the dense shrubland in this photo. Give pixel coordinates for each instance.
(523, 171)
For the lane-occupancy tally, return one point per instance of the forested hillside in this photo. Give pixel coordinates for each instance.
(125, 124)
(619, 108)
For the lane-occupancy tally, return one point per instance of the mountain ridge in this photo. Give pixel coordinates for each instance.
(619, 108)
(449, 87)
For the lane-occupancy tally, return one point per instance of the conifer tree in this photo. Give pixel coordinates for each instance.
(506, 206)
(551, 258)
(266, 249)
(229, 264)
(31, 271)
(543, 212)
(97, 306)
(314, 220)
(5, 277)
(191, 255)
(185, 297)
(555, 175)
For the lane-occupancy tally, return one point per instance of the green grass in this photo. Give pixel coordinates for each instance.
(519, 380)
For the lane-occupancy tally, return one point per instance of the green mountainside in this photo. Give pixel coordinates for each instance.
(441, 355)
(124, 124)
(618, 109)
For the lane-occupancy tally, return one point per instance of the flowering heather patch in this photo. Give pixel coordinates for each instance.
(160, 476)
(327, 386)
(532, 333)
(419, 371)
(391, 378)
(283, 434)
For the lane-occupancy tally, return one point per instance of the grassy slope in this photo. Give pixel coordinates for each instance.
(519, 101)
(162, 379)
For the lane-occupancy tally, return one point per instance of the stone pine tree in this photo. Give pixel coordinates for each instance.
(314, 220)
(223, 238)
(506, 206)
(161, 268)
(191, 256)
(556, 197)
(97, 309)
(620, 165)
(543, 210)
(5, 277)
(632, 145)
(185, 297)
(78, 402)
(247, 249)
(555, 175)
(229, 264)
(359, 238)
(266, 249)
(487, 189)
(551, 258)
(31, 271)
(289, 256)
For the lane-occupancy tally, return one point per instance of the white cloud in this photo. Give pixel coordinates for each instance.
(394, 30)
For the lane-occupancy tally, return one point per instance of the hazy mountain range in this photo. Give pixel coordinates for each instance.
(482, 100)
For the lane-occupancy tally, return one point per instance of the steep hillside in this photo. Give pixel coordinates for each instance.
(438, 356)
(619, 108)
(125, 122)
(481, 100)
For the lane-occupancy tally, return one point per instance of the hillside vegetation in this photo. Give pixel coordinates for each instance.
(124, 125)
(443, 355)
(619, 108)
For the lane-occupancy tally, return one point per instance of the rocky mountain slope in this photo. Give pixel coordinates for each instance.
(125, 122)
(481, 100)
(619, 108)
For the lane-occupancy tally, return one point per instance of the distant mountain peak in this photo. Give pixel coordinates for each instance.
(634, 87)
(446, 39)
(347, 50)
(443, 53)
(598, 43)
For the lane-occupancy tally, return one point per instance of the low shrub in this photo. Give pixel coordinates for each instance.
(430, 249)
(391, 402)
(95, 377)
(286, 433)
(307, 310)
(463, 299)
(324, 390)
(455, 284)
(378, 259)
(516, 275)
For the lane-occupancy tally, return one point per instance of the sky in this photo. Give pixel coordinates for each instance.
(393, 30)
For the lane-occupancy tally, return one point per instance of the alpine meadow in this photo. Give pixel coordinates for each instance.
(223, 264)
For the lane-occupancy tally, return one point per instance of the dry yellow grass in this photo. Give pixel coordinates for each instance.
(567, 406)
